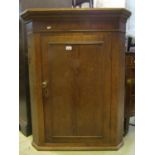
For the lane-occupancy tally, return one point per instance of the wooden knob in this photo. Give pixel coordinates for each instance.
(44, 84)
(49, 27)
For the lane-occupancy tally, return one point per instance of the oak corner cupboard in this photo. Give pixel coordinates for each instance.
(77, 77)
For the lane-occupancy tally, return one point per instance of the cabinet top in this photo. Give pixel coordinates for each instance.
(72, 13)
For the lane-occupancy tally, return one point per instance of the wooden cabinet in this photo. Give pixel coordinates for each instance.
(130, 83)
(77, 68)
(129, 87)
(24, 95)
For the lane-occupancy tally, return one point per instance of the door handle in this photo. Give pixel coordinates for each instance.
(45, 89)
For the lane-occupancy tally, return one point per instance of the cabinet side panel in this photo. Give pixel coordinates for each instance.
(24, 98)
(35, 87)
(118, 87)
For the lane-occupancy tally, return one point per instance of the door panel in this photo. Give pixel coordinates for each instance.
(75, 103)
(90, 96)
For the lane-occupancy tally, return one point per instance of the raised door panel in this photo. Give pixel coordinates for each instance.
(77, 97)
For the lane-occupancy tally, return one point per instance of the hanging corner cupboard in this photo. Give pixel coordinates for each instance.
(77, 77)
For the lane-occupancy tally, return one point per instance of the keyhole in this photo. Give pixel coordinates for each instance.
(45, 93)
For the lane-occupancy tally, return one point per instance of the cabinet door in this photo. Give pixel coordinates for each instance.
(76, 79)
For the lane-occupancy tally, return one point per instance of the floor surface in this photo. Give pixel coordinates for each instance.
(25, 147)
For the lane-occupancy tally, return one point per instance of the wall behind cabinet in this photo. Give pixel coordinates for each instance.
(45, 4)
